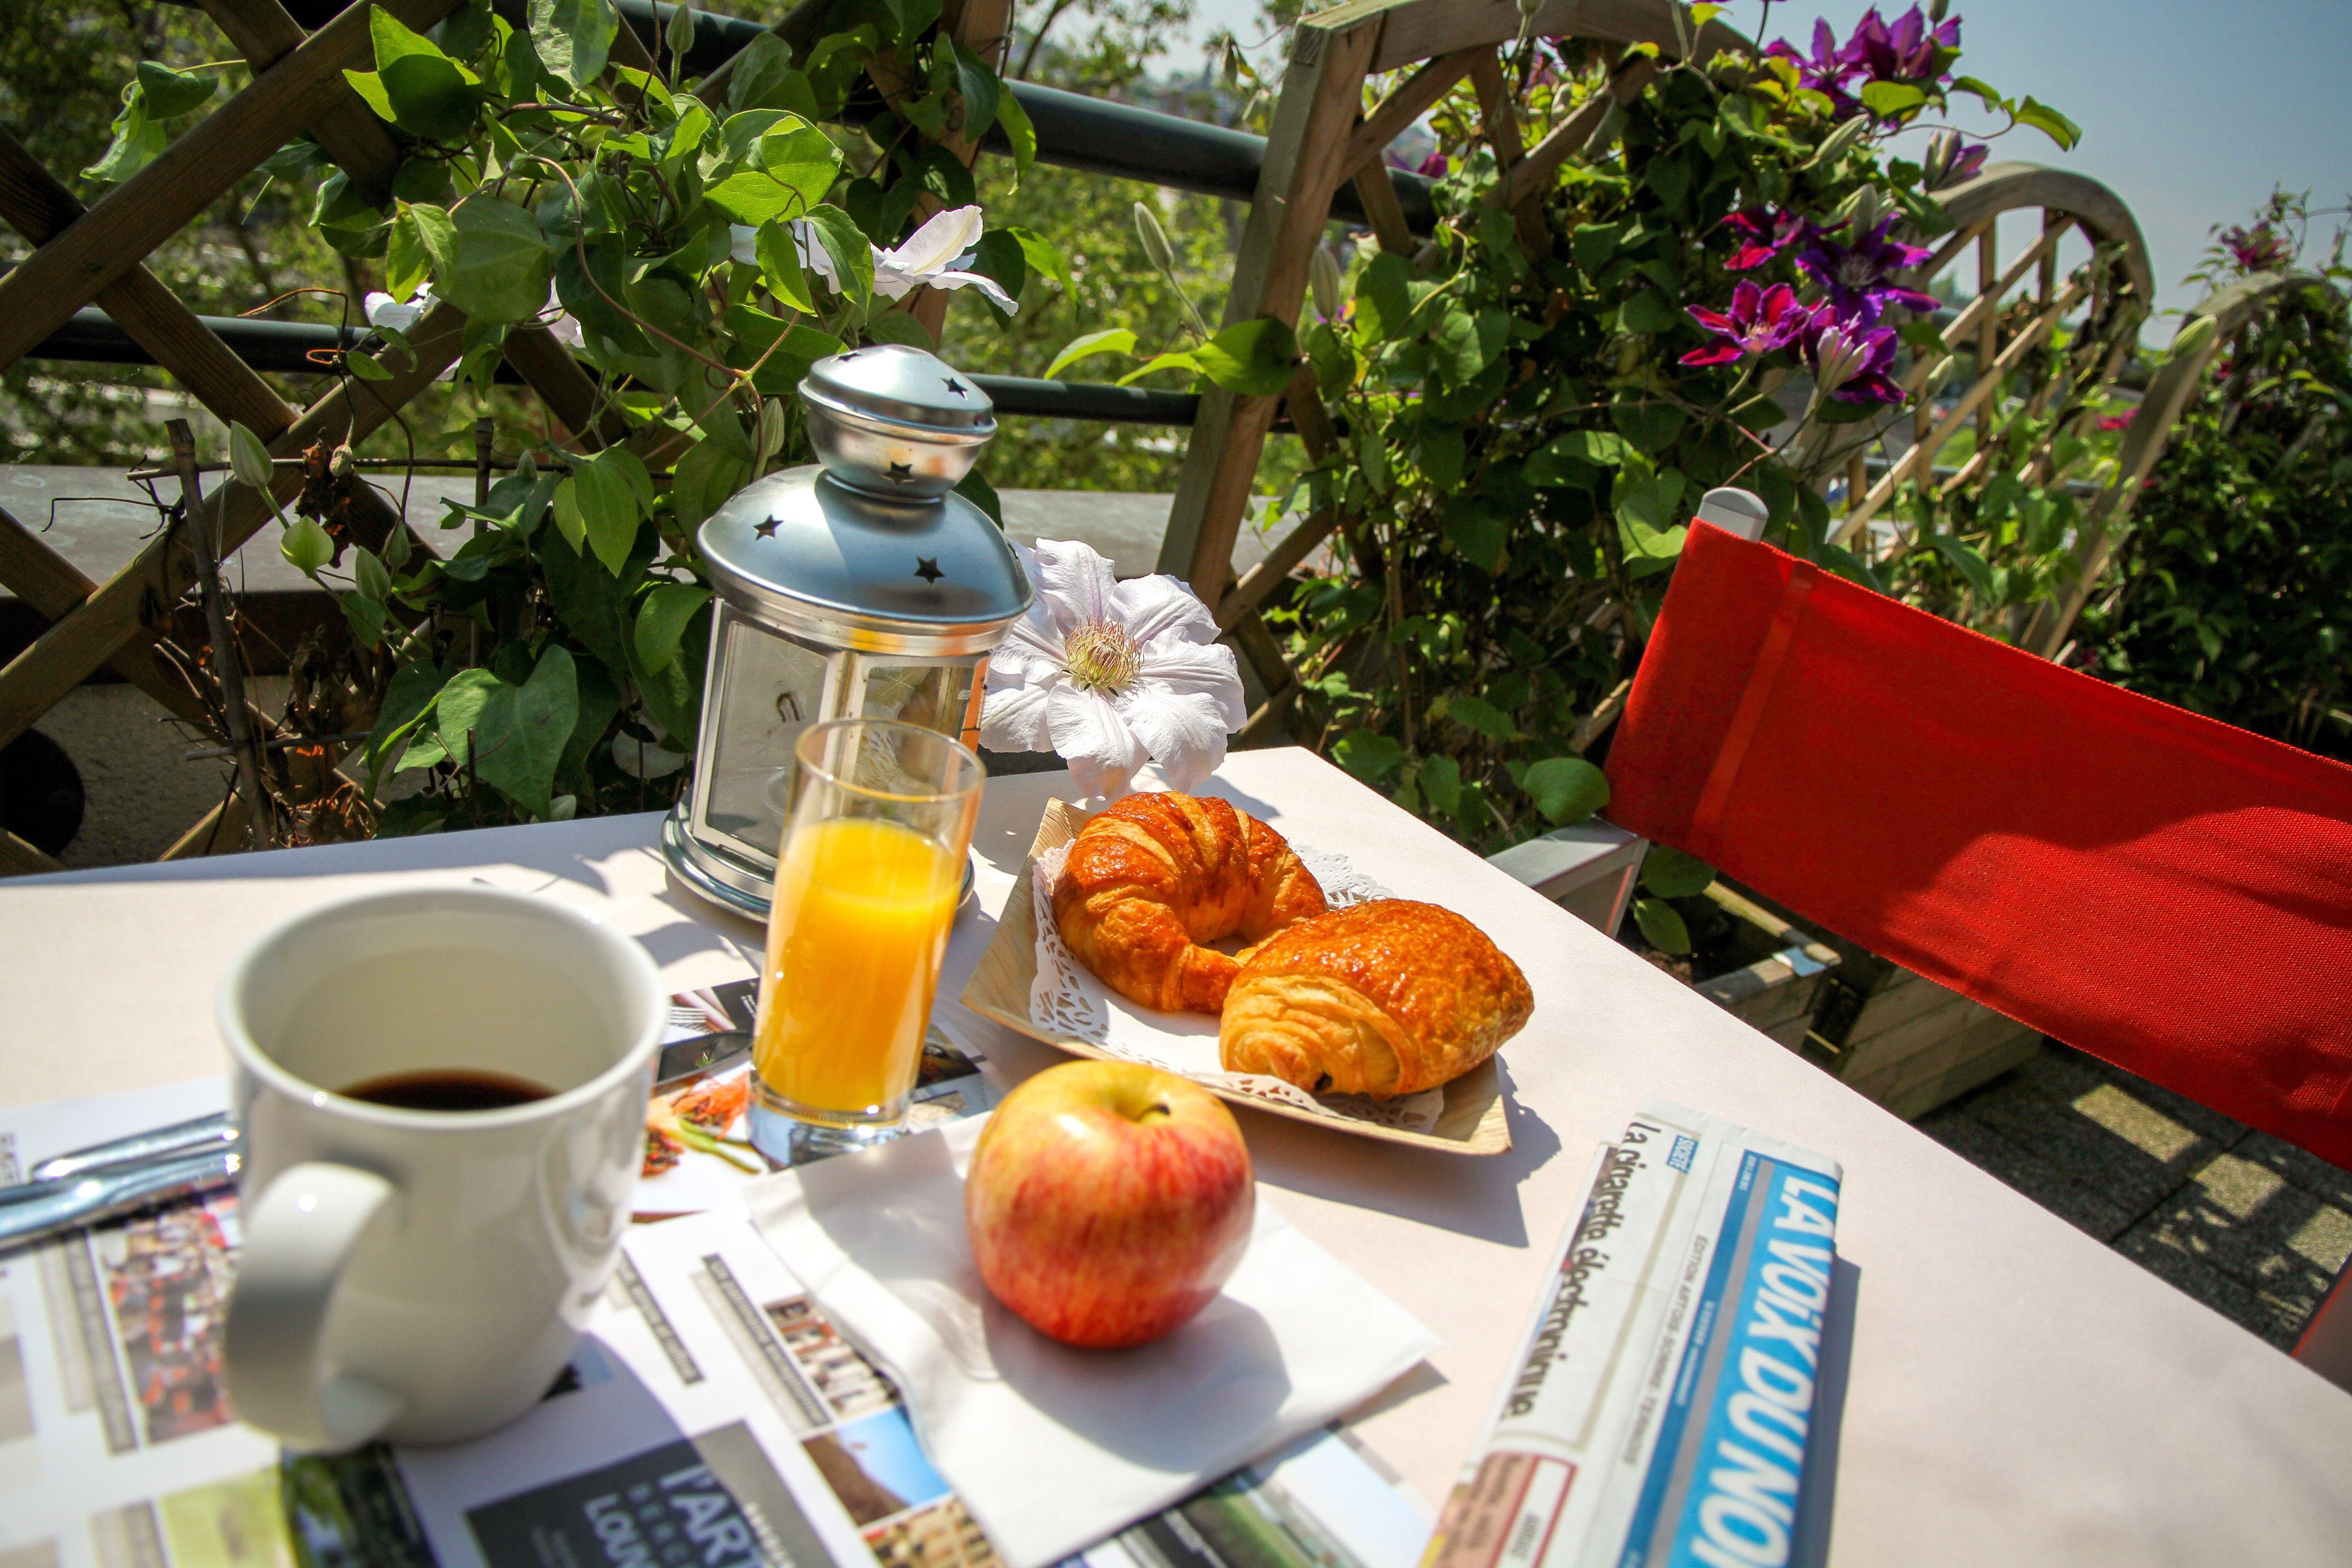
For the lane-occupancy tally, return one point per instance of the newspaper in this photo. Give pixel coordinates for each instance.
(1664, 1389)
(711, 1418)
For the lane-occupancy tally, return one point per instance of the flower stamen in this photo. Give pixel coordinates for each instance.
(1102, 657)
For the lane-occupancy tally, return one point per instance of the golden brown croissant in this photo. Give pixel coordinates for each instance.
(1383, 998)
(1154, 877)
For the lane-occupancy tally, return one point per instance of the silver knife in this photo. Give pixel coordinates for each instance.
(201, 1133)
(34, 1210)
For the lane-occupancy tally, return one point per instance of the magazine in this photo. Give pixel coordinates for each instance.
(712, 1417)
(1665, 1387)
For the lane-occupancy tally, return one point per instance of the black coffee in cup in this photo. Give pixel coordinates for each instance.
(450, 1088)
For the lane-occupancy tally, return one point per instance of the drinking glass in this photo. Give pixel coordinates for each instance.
(867, 879)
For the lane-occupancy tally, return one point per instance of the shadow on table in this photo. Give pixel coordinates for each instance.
(1470, 1194)
(1810, 1542)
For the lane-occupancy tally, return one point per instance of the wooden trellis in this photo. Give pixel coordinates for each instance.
(96, 256)
(1322, 137)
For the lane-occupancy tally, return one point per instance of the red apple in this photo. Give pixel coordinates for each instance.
(1108, 1202)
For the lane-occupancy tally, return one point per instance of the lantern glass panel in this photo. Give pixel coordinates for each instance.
(771, 689)
(934, 693)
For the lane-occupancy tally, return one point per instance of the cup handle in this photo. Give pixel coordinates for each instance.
(298, 1239)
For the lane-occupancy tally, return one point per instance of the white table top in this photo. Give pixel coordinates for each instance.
(2013, 1393)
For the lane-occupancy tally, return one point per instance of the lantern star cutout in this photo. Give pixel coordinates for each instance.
(900, 473)
(956, 386)
(926, 567)
(767, 530)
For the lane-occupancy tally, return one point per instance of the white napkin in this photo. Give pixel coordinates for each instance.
(1053, 1448)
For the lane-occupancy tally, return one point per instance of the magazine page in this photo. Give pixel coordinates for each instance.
(711, 1415)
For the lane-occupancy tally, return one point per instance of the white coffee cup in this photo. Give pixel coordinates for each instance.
(421, 1276)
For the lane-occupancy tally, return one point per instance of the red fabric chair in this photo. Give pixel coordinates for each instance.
(2158, 888)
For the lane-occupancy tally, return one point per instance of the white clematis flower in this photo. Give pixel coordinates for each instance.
(400, 316)
(1112, 674)
(935, 256)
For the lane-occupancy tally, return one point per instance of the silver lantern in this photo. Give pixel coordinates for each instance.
(860, 586)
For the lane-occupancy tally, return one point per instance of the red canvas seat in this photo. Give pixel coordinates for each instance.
(2155, 887)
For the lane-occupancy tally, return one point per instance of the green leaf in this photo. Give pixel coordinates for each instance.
(702, 481)
(608, 504)
(2050, 122)
(791, 168)
(781, 371)
(1477, 714)
(1178, 359)
(1650, 427)
(662, 620)
(365, 367)
(852, 253)
(1455, 351)
(981, 92)
(369, 576)
(306, 546)
(1369, 754)
(1383, 297)
(501, 267)
(1970, 565)
(1646, 314)
(764, 78)
(406, 701)
(1671, 874)
(1985, 94)
(1565, 789)
(170, 93)
(1023, 135)
(1443, 455)
(1661, 926)
(1256, 358)
(1477, 532)
(573, 38)
(138, 138)
(248, 458)
(1109, 340)
(1040, 252)
(522, 730)
(415, 85)
(1441, 780)
(897, 326)
(779, 265)
(1890, 99)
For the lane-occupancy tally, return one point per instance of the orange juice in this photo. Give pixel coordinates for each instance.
(855, 938)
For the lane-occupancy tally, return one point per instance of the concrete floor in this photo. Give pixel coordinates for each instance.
(2253, 1227)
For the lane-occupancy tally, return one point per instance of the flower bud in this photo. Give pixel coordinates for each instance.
(680, 34)
(1862, 210)
(1323, 277)
(1156, 249)
(771, 428)
(1840, 141)
(2194, 337)
(526, 469)
(249, 459)
(1936, 9)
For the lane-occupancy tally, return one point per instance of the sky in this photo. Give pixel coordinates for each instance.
(2191, 110)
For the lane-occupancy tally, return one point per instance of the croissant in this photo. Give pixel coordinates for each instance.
(1152, 879)
(1383, 998)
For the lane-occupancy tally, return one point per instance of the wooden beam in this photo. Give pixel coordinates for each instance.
(347, 128)
(18, 858)
(1376, 191)
(65, 655)
(984, 27)
(54, 587)
(1414, 30)
(1302, 169)
(37, 206)
(1533, 174)
(1413, 99)
(39, 295)
(569, 391)
(1498, 119)
(1242, 599)
(220, 831)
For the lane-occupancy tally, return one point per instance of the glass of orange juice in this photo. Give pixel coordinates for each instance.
(867, 879)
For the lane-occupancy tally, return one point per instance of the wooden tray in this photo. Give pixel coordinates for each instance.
(1472, 1121)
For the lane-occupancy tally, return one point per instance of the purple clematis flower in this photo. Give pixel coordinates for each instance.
(1858, 277)
(1826, 70)
(1762, 235)
(1850, 356)
(1760, 321)
(1906, 51)
(2261, 248)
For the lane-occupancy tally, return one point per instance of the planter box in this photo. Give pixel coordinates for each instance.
(1898, 1037)
(1779, 988)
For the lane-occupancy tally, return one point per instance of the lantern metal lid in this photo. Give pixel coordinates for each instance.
(861, 584)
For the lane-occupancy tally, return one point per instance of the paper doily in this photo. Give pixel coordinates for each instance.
(1067, 1001)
